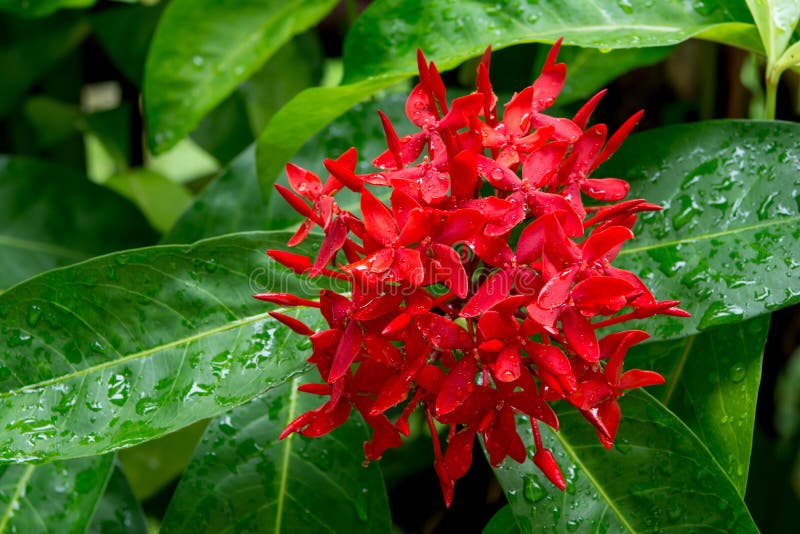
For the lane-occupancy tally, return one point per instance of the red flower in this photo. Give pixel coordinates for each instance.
(452, 311)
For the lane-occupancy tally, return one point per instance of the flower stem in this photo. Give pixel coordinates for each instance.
(772, 79)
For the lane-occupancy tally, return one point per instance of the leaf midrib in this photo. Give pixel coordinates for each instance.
(287, 454)
(23, 481)
(137, 355)
(710, 235)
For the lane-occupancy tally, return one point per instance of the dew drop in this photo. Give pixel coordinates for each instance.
(626, 6)
(737, 373)
(532, 490)
(34, 314)
(198, 61)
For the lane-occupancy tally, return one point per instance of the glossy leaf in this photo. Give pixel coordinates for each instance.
(243, 479)
(151, 465)
(727, 242)
(203, 49)
(712, 384)
(118, 512)
(380, 48)
(776, 21)
(51, 216)
(134, 345)
(38, 8)
(386, 36)
(659, 477)
(56, 497)
(29, 48)
(160, 199)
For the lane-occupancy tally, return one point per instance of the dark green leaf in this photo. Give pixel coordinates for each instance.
(386, 36)
(712, 385)
(28, 49)
(52, 216)
(728, 240)
(233, 203)
(658, 478)
(589, 69)
(118, 512)
(151, 465)
(502, 522)
(56, 497)
(38, 8)
(203, 49)
(243, 479)
(134, 345)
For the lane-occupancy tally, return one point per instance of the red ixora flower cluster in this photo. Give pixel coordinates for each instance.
(476, 295)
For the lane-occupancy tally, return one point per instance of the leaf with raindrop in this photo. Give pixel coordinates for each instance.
(203, 49)
(118, 512)
(243, 478)
(727, 242)
(658, 477)
(131, 346)
(712, 384)
(55, 497)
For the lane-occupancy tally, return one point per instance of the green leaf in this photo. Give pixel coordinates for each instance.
(502, 522)
(727, 242)
(203, 49)
(659, 477)
(56, 497)
(28, 49)
(776, 21)
(380, 49)
(160, 199)
(125, 33)
(386, 36)
(151, 465)
(134, 345)
(712, 384)
(243, 479)
(38, 8)
(51, 216)
(118, 512)
(233, 203)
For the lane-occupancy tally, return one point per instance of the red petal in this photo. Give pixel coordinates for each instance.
(295, 324)
(594, 293)
(580, 334)
(507, 367)
(286, 299)
(618, 137)
(458, 456)
(462, 108)
(298, 204)
(348, 349)
(605, 188)
(556, 291)
(493, 290)
(605, 243)
(419, 108)
(451, 271)
(457, 386)
(344, 174)
(581, 118)
(334, 240)
(378, 220)
(443, 333)
(493, 325)
(549, 357)
(464, 173)
(304, 182)
(296, 262)
(497, 175)
(545, 460)
(408, 266)
(637, 378)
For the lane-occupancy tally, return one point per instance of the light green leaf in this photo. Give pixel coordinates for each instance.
(160, 199)
(56, 497)
(51, 216)
(134, 345)
(776, 21)
(727, 242)
(151, 465)
(263, 484)
(712, 384)
(118, 512)
(203, 49)
(658, 478)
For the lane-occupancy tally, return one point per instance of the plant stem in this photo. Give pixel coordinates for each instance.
(772, 90)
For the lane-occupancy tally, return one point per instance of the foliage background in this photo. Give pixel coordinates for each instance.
(126, 125)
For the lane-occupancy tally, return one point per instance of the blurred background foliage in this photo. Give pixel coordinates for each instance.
(78, 176)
